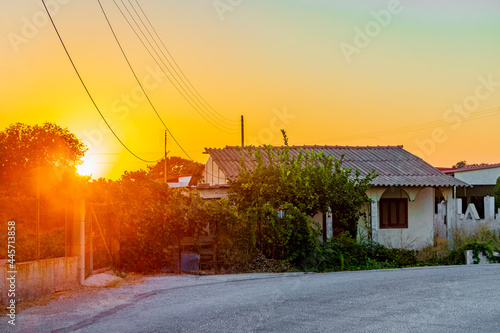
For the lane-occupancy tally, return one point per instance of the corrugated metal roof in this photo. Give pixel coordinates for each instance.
(470, 168)
(395, 166)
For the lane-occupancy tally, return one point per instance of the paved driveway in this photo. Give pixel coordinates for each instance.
(428, 299)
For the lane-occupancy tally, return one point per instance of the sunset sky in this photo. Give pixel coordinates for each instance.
(423, 74)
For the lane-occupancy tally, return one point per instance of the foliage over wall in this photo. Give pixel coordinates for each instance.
(153, 218)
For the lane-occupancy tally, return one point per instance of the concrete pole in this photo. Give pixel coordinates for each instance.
(78, 237)
(489, 207)
(451, 210)
(329, 224)
(374, 219)
(375, 194)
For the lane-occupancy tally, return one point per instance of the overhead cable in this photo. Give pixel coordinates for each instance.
(170, 76)
(88, 92)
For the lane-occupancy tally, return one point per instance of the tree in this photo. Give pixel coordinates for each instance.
(176, 166)
(463, 164)
(459, 165)
(300, 186)
(37, 168)
(24, 148)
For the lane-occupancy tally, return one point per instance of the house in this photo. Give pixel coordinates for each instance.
(483, 180)
(180, 181)
(475, 204)
(404, 194)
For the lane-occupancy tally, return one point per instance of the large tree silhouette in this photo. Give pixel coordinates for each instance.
(25, 148)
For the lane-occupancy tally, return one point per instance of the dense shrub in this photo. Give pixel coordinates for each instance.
(345, 253)
(457, 257)
(22, 210)
(152, 219)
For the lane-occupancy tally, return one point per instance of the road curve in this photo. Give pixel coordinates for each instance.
(427, 299)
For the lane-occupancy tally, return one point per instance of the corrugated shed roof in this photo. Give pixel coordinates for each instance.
(395, 166)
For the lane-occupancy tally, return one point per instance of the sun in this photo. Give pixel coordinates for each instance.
(89, 167)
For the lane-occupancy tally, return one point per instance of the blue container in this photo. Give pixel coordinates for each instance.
(190, 262)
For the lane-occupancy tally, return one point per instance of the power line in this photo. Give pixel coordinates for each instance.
(92, 99)
(189, 84)
(140, 85)
(177, 86)
(137, 79)
(421, 126)
(86, 89)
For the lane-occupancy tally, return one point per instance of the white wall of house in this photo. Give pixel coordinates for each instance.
(479, 177)
(420, 231)
(183, 182)
(212, 174)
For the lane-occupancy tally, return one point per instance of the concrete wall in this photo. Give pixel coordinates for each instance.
(470, 221)
(479, 177)
(212, 193)
(35, 279)
(483, 260)
(420, 231)
(318, 224)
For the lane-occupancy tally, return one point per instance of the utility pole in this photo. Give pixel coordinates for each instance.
(242, 132)
(165, 171)
(38, 213)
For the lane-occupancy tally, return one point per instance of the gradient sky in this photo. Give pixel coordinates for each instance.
(423, 74)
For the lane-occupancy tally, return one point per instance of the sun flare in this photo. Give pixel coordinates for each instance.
(89, 167)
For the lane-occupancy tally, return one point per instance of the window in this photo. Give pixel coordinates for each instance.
(393, 213)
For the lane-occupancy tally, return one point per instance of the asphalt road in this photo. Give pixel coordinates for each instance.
(428, 299)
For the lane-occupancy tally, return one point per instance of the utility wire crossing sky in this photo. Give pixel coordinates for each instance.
(422, 74)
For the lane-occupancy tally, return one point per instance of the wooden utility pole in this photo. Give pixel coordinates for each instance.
(165, 171)
(242, 132)
(38, 213)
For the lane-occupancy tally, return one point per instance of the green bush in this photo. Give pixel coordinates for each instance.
(400, 257)
(457, 257)
(345, 253)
